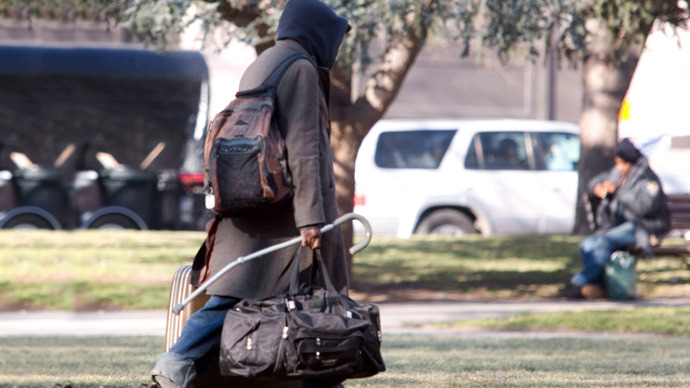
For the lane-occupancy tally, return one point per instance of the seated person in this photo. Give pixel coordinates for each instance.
(506, 157)
(632, 208)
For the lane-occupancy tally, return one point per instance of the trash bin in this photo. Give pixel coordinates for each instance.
(169, 193)
(133, 189)
(41, 187)
(8, 196)
(86, 192)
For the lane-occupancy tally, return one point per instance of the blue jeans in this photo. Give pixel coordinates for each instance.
(200, 337)
(197, 347)
(596, 249)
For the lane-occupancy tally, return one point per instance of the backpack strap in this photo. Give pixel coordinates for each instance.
(274, 78)
(272, 81)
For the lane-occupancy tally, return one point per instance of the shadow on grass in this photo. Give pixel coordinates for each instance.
(511, 266)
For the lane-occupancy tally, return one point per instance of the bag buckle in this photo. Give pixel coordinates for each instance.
(290, 303)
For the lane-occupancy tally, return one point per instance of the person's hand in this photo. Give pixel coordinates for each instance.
(311, 237)
(602, 189)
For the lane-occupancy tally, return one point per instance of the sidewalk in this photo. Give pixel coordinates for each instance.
(395, 318)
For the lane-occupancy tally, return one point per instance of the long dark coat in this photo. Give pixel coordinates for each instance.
(303, 115)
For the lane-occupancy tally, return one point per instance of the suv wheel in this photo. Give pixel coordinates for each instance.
(447, 222)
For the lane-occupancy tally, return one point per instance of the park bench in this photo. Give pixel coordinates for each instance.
(679, 204)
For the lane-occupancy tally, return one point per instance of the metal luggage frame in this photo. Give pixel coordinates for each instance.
(185, 299)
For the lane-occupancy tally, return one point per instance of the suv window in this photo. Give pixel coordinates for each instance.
(559, 151)
(412, 149)
(497, 151)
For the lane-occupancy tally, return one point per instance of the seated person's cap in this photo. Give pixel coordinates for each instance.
(627, 151)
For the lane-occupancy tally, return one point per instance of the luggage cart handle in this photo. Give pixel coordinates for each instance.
(340, 220)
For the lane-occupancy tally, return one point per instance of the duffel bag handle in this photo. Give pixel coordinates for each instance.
(318, 263)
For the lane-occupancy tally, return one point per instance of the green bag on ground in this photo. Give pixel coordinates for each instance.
(620, 276)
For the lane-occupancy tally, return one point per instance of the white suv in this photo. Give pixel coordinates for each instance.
(468, 176)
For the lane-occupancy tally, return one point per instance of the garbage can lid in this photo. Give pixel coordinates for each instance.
(130, 174)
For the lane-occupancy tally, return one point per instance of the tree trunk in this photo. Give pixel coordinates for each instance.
(351, 120)
(607, 75)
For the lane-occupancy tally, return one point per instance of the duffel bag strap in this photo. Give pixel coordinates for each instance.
(324, 273)
(318, 263)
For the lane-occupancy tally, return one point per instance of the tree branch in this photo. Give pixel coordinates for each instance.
(387, 76)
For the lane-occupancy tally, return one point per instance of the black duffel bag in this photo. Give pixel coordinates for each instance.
(315, 334)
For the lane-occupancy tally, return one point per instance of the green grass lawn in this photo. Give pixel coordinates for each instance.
(91, 269)
(86, 270)
(133, 270)
(652, 320)
(412, 361)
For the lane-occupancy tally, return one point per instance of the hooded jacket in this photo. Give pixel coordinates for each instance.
(640, 199)
(302, 114)
(315, 26)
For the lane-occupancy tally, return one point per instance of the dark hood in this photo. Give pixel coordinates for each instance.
(315, 26)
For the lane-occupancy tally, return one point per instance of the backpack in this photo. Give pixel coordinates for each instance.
(244, 152)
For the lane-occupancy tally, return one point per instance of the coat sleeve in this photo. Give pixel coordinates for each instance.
(608, 175)
(298, 109)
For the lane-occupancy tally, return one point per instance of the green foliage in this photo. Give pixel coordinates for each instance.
(506, 25)
(158, 21)
(511, 24)
(629, 21)
(66, 10)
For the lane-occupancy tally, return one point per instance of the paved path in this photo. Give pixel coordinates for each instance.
(396, 318)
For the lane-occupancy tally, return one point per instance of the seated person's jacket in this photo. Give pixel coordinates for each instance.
(640, 199)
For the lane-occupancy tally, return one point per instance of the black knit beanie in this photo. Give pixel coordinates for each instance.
(627, 151)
